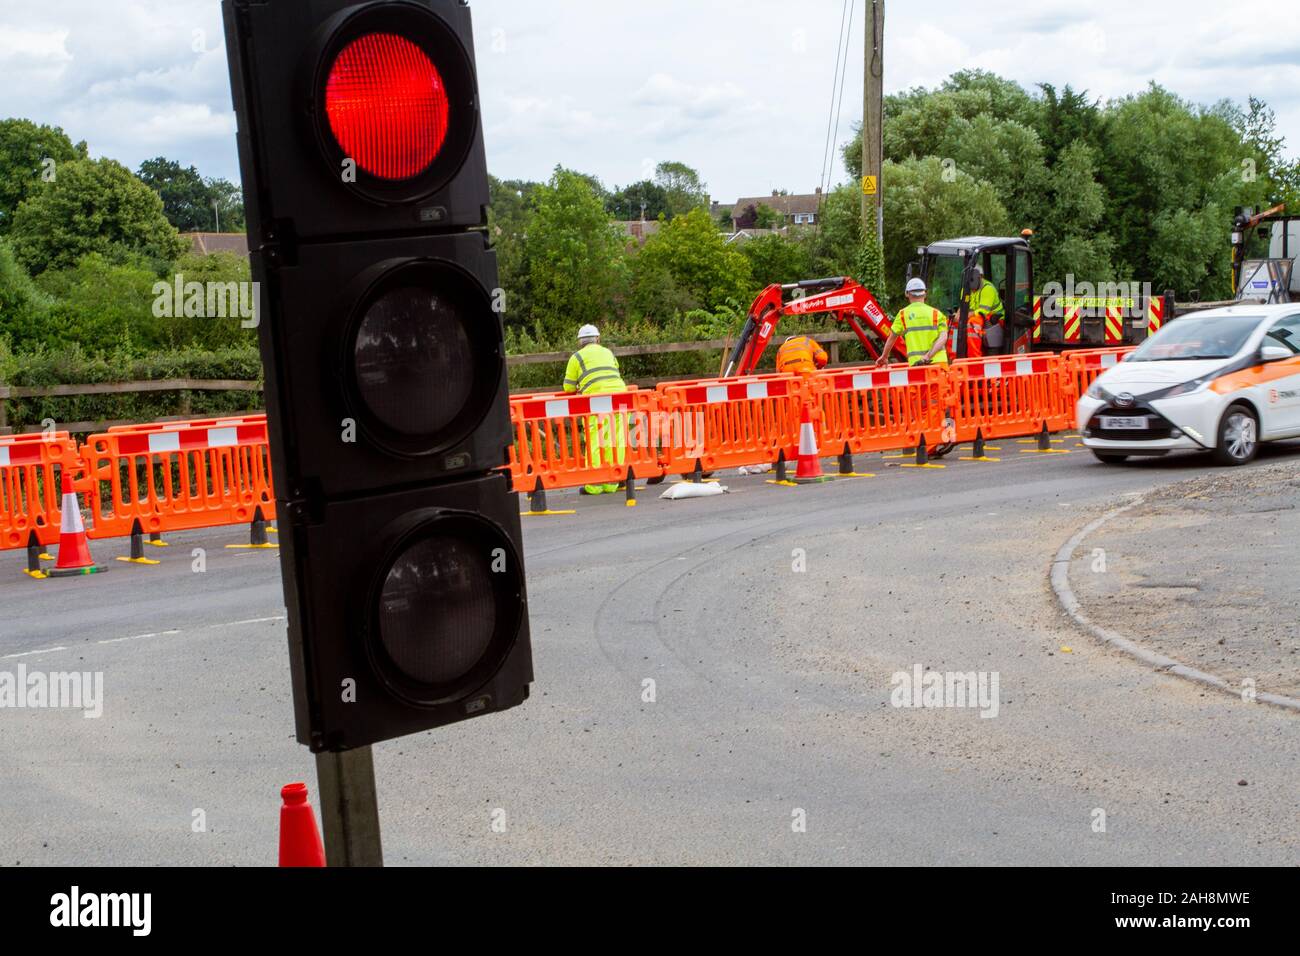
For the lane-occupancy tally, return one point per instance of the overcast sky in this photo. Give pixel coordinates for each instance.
(739, 89)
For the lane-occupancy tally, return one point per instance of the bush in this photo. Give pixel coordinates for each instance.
(75, 366)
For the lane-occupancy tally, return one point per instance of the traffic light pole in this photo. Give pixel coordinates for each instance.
(349, 808)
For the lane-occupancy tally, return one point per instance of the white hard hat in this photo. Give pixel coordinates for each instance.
(915, 286)
(588, 332)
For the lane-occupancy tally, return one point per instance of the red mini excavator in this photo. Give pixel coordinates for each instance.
(849, 301)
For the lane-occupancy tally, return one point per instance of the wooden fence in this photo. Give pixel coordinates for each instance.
(832, 341)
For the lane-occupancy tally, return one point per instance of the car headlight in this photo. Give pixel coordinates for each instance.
(1095, 391)
(1187, 388)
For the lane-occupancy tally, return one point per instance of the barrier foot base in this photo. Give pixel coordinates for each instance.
(980, 458)
(545, 514)
(38, 575)
(928, 464)
(269, 546)
(75, 572)
(138, 561)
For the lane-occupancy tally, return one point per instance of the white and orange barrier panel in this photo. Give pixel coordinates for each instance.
(1085, 366)
(1013, 396)
(868, 409)
(728, 423)
(182, 476)
(565, 440)
(31, 468)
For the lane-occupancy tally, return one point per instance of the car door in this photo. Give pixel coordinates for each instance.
(1281, 387)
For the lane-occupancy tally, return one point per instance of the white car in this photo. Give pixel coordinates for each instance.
(1220, 381)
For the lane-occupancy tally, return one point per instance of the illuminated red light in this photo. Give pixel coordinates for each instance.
(387, 106)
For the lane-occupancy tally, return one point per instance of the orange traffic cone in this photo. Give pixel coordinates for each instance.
(74, 548)
(300, 843)
(810, 465)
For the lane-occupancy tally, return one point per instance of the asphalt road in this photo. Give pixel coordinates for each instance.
(772, 696)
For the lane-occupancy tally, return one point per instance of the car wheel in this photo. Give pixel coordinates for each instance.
(1110, 459)
(1238, 436)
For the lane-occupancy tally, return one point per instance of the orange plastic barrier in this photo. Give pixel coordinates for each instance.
(869, 409)
(1007, 397)
(569, 440)
(1085, 366)
(192, 423)
(727, 423)
(179, 476)
(31, 468)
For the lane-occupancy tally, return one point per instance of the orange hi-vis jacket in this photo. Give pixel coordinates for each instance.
(975, 334)
(801, 354)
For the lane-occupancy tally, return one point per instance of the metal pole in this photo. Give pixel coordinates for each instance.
(349, 808)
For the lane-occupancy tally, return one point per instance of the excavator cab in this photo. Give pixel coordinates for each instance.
(948, 269)
(1265, 248)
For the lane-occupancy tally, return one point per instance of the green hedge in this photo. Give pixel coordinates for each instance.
(73, 366)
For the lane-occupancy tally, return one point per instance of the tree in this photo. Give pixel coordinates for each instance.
(510, 215)
(29, 155)
(923, 205)
(23, 307)
(776, 259)
(93, 206)
(185, 196)
(1066, 118)
(574, 254)
(690, 250)
(682, 186)
(834, 245)
(229, 201)
(765, 217)
(1173, 174)
(102, 305)
(644, 197)
(1070, 238)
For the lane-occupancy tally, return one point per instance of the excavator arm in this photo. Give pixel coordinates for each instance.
(849, 301)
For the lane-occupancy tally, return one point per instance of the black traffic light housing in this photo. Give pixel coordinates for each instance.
(285, 51)
(351, 686)
(385, 369)
(340, 426)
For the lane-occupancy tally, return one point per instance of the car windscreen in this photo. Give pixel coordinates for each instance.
(1202, 337)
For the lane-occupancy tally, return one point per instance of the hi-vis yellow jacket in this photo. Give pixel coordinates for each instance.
(593, 370)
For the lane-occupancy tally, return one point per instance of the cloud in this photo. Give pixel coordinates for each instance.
(739, 89)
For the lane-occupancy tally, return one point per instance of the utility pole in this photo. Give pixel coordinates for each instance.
(873, 103)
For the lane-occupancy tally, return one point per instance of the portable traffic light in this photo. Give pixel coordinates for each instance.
(365, 185)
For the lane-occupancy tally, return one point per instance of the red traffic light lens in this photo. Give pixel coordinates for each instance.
(387, 106)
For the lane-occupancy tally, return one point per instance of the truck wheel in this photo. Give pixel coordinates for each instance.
(1109, 459)
(1238, 436)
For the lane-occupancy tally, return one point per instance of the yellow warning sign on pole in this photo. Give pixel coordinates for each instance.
(868, 185)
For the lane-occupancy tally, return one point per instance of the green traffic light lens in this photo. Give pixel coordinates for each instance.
(437, 613)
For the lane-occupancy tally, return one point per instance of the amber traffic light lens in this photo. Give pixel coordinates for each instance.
(414, 361)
